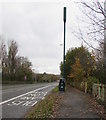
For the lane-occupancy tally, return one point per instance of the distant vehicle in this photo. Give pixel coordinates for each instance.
(62, 84)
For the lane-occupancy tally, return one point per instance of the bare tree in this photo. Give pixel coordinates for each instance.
(94, 18)
(94, 30)
(12, 59)
(0, 60)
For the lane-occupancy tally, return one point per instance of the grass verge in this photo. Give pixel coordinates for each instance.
(45, 108)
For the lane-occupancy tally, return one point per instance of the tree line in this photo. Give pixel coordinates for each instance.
(17, 69)
(83, 66)
(45, 77)
(14, 67)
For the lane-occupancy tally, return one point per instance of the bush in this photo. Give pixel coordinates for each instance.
(90, 82)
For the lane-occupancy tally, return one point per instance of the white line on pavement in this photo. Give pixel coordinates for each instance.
(23, 95)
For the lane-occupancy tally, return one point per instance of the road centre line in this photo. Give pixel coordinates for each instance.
(23, 94)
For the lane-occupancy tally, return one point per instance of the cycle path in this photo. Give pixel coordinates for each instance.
(76, 104)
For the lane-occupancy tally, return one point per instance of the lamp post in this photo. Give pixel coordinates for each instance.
(64, 20)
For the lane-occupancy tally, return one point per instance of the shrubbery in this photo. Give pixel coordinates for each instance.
(90, 82)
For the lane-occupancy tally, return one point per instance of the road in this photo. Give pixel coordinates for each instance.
(18, 99)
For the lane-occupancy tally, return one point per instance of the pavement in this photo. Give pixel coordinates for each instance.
(74, 103)
(17, 100)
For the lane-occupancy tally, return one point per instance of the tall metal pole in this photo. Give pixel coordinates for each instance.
(64, 19)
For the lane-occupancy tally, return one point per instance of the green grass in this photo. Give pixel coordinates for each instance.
(56, 89)
(44, 108)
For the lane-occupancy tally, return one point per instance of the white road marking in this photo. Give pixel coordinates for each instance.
(23, 94)
(28, 100)
(45, 93)
(43, 98)
(15, 103)
(29, 103)
(23, 103)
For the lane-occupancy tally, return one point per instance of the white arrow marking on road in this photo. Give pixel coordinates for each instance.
(23, 95)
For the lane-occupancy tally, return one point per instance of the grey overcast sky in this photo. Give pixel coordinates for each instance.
(37, 27)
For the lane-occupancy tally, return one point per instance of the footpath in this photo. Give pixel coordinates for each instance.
(74, 103)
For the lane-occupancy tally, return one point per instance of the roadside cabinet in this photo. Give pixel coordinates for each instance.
(62, 84)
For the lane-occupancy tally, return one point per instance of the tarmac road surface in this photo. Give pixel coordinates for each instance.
(75, 104)
(18, 99)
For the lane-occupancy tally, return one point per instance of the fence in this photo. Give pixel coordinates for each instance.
(98, 91)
